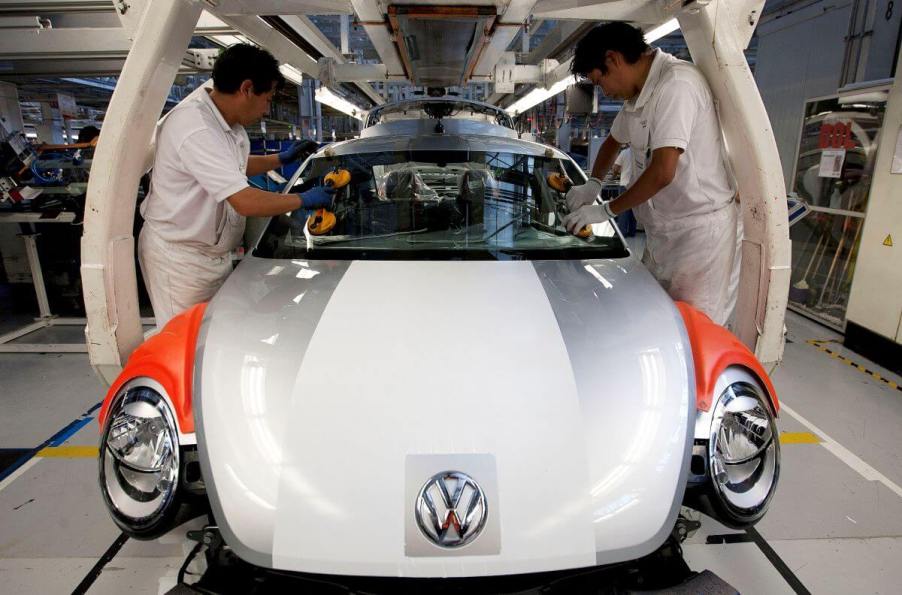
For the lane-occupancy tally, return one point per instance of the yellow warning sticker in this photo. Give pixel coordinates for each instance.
(888, 241)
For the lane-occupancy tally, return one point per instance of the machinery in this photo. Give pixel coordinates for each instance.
(16, 158)
(44, 177)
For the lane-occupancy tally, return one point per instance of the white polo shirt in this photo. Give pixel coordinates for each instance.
(200, 161)
(625, 162)
(676, 109)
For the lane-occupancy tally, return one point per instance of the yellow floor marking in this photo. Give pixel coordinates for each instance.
(819, 345)
(799, 438)
(69, 452)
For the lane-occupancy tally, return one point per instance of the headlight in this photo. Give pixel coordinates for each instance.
(744, 453)
(139, 468)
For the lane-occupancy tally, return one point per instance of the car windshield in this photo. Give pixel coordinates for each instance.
(438, 205)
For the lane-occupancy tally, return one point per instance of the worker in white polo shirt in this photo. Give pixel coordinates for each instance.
(681, 190)
(623, 167)
(194, 214)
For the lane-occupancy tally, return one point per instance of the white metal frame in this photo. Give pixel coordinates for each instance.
(161, 39)
(716, 33)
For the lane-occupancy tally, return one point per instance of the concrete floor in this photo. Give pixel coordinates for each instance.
(835, 523)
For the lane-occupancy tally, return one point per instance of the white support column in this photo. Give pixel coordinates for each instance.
(37, 273)
(50, 130)
(10, 110)
(130, 13)
(108, 248)
(345, 33)
(752, 151)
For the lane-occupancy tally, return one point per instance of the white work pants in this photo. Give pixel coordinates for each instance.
(696, 260)
(178, 276)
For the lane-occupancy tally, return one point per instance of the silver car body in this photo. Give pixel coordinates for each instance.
(328, 391)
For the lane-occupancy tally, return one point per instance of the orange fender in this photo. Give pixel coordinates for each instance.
(168, 358)
(714, 349)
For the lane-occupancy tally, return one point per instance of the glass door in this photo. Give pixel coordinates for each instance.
(837, 150)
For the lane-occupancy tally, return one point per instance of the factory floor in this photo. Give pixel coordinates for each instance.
(835, 525)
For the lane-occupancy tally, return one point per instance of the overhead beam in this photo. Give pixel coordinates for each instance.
(506, 28)
(18, 7)
(636, 11)
(331, 73)
(373, 21)
(281, 7)
(28, 23)
(53, 44)
(304, 27)
(559, 39)
(266, 36)
(563, 37)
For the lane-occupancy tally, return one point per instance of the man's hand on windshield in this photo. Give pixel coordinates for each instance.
(585, 194)
(317, 198)
(587, 215)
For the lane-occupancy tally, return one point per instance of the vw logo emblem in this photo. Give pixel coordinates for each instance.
(451, 509)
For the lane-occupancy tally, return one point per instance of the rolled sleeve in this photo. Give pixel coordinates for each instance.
(209, 161)
(675, 116)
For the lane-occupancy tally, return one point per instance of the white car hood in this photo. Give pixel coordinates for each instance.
(328, 392)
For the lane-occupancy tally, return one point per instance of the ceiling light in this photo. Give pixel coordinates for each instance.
(291, 73)
(538, 95)
(662, 31)
(228, 40)
(325, 95)
(866, 97)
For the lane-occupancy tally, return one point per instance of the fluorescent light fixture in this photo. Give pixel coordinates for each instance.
(662, 31)
(291, 74)
(325, 95)
(538, 95)
(228, 40)
(866, 97)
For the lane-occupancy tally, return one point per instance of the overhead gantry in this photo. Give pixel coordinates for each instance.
(716, 32)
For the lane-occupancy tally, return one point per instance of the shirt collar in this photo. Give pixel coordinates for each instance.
(206, 99)
(654, 75)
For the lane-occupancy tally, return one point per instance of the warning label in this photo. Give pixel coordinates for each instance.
(888, 241)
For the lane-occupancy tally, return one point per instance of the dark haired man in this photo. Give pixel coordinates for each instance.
(194, 214)
(681, 191)
(87, 134)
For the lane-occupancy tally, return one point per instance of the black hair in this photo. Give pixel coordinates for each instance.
(88, 133)
(242, 62)
(616, 36)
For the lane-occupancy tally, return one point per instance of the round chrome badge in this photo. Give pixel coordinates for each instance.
(451, 509)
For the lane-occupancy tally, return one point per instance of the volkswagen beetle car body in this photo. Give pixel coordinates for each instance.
(445, 384)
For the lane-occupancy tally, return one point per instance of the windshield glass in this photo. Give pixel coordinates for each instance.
(444, 205)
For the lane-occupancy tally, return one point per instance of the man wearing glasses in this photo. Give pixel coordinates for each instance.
(681, 192)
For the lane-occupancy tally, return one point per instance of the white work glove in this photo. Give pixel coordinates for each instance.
(587, 215)
(584, 194)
